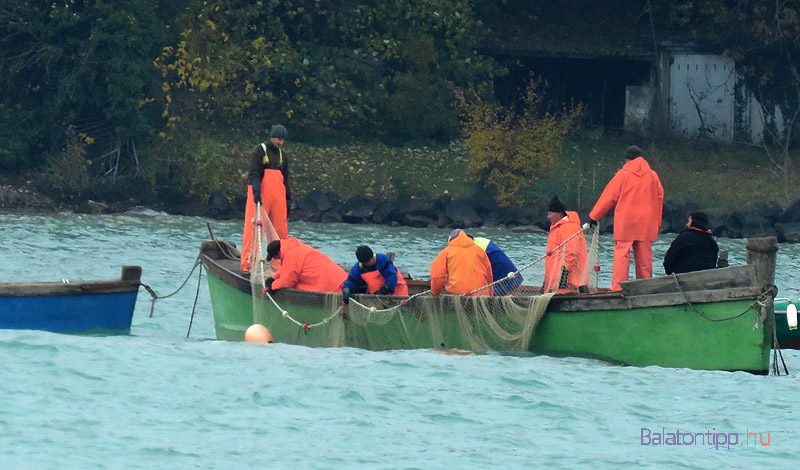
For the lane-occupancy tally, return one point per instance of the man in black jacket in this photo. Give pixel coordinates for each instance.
(694, 249)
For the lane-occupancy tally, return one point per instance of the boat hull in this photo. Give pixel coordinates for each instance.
(667, 336)
(787, 339)
(663, 335)
(88, 307)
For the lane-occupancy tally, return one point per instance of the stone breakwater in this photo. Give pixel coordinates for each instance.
(766, 219)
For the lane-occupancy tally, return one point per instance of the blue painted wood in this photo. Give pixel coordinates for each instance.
(69, 313)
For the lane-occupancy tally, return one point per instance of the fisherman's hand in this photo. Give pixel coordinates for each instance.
(384, 290)
(256, 185)
(268, 284)
(346, 295)
(592, 222)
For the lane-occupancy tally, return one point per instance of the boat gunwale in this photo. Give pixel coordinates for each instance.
(129, 281)
(561, 302)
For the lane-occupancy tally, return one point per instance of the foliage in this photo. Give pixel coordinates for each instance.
(67, 173)
(319, 63)
(206, 169)
(511, 150)
(421, 104)
(85, 64)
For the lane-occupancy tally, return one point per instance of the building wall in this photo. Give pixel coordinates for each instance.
(701, 96)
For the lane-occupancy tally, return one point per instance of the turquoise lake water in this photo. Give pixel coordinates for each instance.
(157, 400)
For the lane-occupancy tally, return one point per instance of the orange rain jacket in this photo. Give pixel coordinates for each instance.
(305, 268)
(573, 253)
(461, 267)
(638, 196)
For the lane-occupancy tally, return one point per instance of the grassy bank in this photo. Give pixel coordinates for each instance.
(717, 177)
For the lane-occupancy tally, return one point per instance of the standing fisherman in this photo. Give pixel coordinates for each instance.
(564, 267)
(269, 184)
(638, 196)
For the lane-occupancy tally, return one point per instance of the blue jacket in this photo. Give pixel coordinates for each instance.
(501, 266)
(383, 264)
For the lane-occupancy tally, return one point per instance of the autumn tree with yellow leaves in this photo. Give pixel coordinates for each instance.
(510, 149)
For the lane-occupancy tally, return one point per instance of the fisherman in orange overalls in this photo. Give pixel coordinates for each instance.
(303, 268)
(461, 267)
(564, 267)
(638, 196)
(374, 273)
(269, 183)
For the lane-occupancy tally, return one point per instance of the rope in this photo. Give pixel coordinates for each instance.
(196, 296)
(405, 302)
(759, 303)
(594, 275)
(224, 248)
(305, 326)
(155, 296)
(776, 352)
(512, 275)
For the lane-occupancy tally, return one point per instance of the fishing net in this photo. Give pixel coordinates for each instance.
(475, 322)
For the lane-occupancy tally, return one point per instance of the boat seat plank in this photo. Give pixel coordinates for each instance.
(653, 300)
(730, 277)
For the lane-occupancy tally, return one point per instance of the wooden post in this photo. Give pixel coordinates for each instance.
(131, 273)
(762, 253)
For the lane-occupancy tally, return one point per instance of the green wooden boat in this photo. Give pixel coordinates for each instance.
(721, 319)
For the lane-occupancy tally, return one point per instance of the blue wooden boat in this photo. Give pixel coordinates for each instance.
(95, 307)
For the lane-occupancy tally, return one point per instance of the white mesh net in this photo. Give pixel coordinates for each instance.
(468, 322)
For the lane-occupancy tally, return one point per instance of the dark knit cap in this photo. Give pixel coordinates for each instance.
(700, 220)
(556, 206)
(699, 217)
(363, 253)
(633, 152)
(273, 249)
(278, 132)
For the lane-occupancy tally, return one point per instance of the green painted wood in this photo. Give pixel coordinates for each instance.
(675, 336)
(233, 309)
(668, 336)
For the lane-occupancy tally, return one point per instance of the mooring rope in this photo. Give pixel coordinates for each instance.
(154, 296)
(759, 304)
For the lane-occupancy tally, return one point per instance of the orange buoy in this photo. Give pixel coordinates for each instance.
(258, 334)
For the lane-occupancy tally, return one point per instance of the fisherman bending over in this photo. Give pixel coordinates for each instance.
(461, 267)
(374, 273)
(303, 268)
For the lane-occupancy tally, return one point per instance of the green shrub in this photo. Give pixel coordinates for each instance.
(68, 172)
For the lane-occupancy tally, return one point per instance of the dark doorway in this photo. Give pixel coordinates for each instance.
(597, 83)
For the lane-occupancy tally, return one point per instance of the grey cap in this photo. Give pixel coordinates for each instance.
(278, 132)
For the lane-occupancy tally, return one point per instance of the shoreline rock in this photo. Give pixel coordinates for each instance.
(442, 212)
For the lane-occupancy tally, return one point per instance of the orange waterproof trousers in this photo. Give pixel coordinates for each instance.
(273, 202)
(642, 256)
